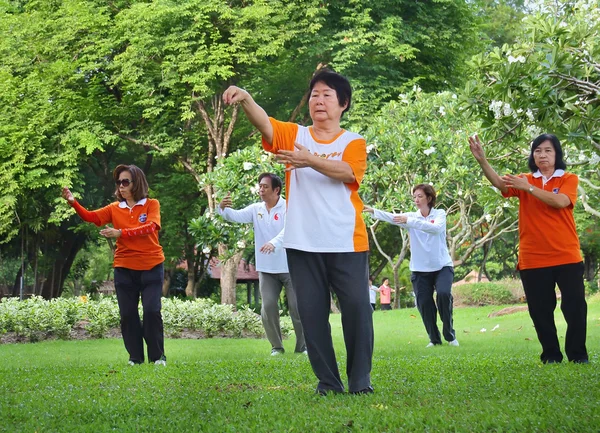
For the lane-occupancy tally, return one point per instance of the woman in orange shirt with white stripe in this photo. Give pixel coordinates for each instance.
(138, 260)
(549, 252)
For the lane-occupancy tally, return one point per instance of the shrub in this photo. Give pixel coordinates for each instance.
(483, 294)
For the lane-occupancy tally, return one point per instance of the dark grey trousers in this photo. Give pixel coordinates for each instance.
(346, 274)
(129, 285)
(270, 289)
(424, 284)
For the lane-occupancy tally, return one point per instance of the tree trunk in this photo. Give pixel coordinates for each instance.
(68, 246)
(166, 283)
(229, 276)
(590, 263)
(190, 291)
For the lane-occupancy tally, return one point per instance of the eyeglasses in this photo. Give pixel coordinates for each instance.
(123, 182)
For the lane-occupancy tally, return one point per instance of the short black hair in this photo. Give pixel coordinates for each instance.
(337, 82)
(275, 181)
(559, 162)
(383, 279)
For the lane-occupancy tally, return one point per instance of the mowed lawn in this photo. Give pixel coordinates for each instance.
(492, 382)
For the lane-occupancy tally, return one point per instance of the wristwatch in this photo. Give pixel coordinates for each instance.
(531, 189)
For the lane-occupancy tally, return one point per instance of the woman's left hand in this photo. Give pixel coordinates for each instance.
(400, 219)
(295, 158)
(109, 232)
(517, 182)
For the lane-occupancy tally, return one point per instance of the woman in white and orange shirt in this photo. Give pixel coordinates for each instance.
(549, 252)
(138, 261)
(325, 236)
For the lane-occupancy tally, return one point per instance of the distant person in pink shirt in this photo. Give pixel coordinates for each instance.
(385, 294)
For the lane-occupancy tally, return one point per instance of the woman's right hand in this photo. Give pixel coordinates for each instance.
(234, 94)
(67, 195)
(368, 209)
(476, 148)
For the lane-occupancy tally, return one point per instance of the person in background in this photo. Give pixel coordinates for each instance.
(549, 252)
(373, 293)
(138, 260)
(325, 236)
(431, 266)
(268, 220)
(385, 294)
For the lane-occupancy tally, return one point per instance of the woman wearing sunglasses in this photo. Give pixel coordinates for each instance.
(138, 260)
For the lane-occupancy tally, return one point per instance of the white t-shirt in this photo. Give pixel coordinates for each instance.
(323, 214)
(268, 227)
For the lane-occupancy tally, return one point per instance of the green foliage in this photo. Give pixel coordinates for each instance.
(546, 82)
(237, 174)
(422, 138)
(479, 294)
(36, 319)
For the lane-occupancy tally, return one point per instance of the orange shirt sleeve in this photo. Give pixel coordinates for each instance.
(154, 212)
(284, 136)
(105, 213)
(355, 155)
(569, 187)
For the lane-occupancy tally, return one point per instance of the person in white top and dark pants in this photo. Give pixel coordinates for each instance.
(268, 219)
(430, 263)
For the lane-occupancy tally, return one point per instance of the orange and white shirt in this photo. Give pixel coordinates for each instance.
(323, 214)
(547, 236)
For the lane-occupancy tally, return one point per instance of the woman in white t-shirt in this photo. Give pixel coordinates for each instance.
(430, 263)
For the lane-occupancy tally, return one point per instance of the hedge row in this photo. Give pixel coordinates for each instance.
(37, 319)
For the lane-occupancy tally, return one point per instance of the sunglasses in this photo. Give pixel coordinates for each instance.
(123, 182)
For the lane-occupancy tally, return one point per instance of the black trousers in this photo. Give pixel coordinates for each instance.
(313, 274)
(129, 285)
(539, 285)
(424, 284)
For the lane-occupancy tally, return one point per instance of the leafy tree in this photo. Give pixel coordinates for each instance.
(237, 174)
(421, 139)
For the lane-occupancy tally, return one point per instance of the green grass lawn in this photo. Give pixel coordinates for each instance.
(492, 382)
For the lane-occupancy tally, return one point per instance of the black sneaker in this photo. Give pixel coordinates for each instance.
(324, 392)
(368, 390)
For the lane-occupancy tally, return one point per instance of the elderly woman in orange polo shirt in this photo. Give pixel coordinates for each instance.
(549, 253)
(138, 261)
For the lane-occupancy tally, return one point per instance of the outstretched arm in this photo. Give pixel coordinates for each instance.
(488, 171)
(254, 112)
(85, 214)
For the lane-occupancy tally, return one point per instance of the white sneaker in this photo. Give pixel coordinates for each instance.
(304, 352)
(160, 362)
(429, 345)
(276, 352)
(453, 343)
(131, 363)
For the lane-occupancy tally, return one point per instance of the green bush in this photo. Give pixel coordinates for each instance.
(483, 294)
(37, 319)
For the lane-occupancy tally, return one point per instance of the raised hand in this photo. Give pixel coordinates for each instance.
(226, 202)
(67, 195)
(476, 148)
(234, 94)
